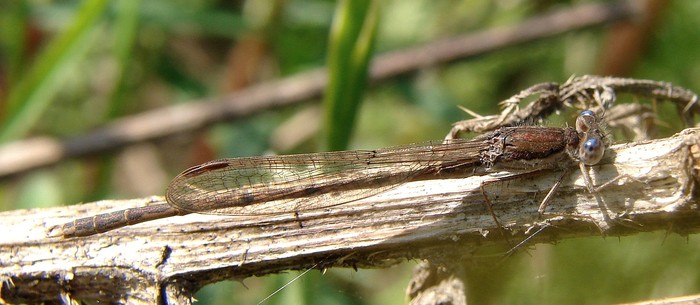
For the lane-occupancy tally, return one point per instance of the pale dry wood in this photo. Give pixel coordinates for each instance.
(684, 300)
(443, 220)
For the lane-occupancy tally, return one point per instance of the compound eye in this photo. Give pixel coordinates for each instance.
(585, 120)
(591, 151)
(587, 112)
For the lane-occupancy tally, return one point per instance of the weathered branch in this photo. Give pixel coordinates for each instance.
(436, 219)
(38, 152)
(579, 92)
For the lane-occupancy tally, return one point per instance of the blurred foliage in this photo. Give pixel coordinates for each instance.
(67, 67)
(351, 44)
(30, 96)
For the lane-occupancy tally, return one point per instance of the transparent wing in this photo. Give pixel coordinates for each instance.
(284, 184)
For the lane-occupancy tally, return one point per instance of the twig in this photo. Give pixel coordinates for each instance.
(579, 92)
(168, 260)
(24, 155)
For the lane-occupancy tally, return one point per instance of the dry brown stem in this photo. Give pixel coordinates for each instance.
(443, 220)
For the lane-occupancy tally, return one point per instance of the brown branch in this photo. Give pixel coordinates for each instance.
(443, 220)
(579, 92)
(24, 155)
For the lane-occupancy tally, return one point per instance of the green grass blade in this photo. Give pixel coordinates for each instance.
(351, 45)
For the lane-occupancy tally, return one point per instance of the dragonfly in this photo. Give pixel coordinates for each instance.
(274, 185)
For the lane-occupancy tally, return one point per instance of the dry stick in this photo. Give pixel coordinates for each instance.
(38, 152)
(579, 92)
(443, 221)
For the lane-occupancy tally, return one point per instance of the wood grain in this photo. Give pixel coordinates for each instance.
(441, 220)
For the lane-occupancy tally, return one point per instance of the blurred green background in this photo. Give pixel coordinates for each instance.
(68, 67)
